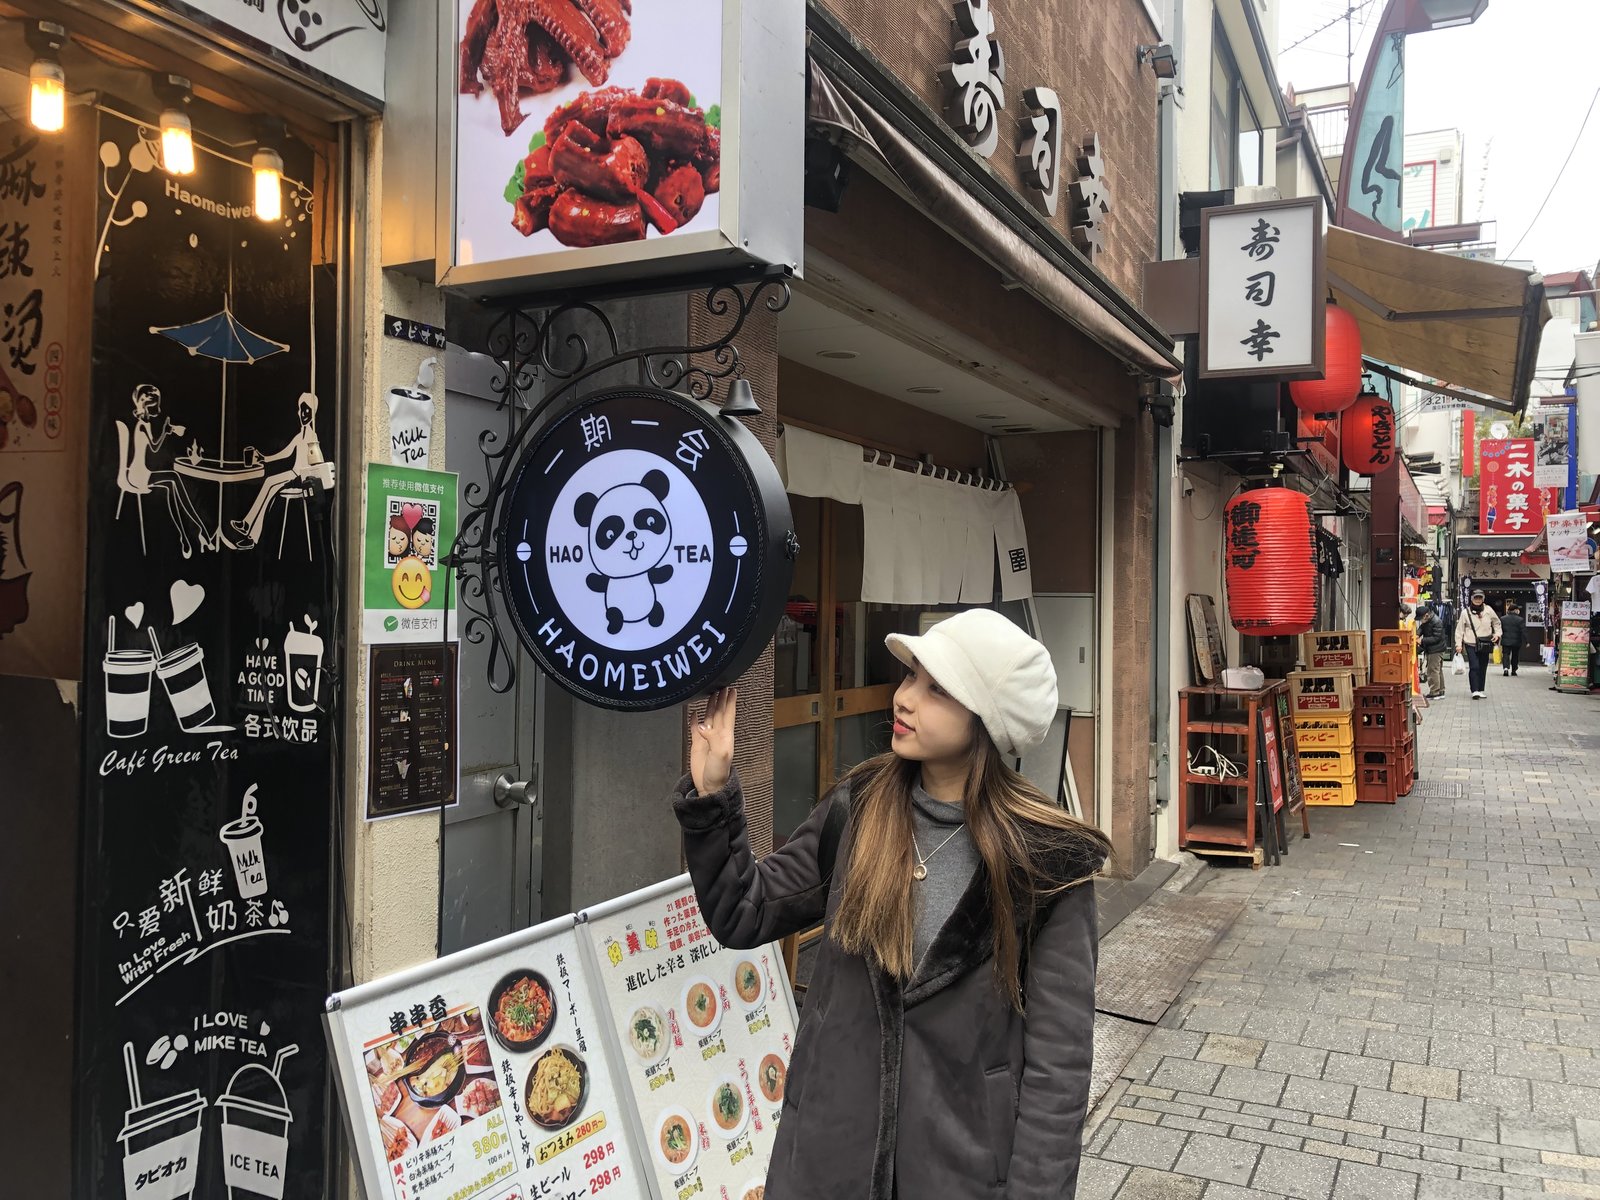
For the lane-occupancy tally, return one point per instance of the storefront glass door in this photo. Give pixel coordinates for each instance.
(835, 679)
(491, 848)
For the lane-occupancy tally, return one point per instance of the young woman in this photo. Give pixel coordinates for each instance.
(947, 1036)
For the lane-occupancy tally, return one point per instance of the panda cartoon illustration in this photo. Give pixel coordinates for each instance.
(629, 536)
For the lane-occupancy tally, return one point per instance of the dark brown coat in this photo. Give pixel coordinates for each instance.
(934, 1088)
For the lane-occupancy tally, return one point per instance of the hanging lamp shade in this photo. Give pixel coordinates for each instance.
(1341, 375)
(1272, 562)
(1367, 435)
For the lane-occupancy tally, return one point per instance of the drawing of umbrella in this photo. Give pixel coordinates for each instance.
(221, 337)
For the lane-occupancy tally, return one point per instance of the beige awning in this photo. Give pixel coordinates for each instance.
(1470, 325)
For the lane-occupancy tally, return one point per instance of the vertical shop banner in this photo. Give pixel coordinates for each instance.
(706, 1034)
(1509, 500)
(486, 1073)
(1572, 654)
(46, 205)
(210, 706)
(1556, 470)
(1262, 297)
(1567, 541)
(410, 528)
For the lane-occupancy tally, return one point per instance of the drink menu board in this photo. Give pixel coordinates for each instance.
(486, 1074)
(705, 1032)
(1572, 654)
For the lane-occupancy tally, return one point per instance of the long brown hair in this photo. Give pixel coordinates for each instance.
(1024, 841)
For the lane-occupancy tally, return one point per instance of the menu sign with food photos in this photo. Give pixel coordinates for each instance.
(624, 140)
(487, 1074)
(705, 1033)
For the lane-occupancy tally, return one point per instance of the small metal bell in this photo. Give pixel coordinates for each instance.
(741, 401)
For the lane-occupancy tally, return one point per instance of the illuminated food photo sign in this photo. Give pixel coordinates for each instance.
(625, 137)
(645, 549)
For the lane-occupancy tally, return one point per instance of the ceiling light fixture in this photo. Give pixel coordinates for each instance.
(267, 166)
(47, 82)
(838, 354)
(991, 416)
(924, 390)
(177, 133)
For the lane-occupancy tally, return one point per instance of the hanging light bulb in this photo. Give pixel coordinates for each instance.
(47, 82)
(177, 142)
(267, 164)
(47, 96)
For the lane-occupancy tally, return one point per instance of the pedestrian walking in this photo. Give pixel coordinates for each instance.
(960, 891)
(1433, 639)
(1477, 634)
(1513, 632)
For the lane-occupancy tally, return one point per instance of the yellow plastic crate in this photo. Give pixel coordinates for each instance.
(1337, 793)
(1325, 733)
(1327, 764)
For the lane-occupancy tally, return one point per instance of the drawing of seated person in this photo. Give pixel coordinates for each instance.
(150, 466)
(303, 461)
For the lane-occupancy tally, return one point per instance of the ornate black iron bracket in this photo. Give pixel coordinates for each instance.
(544, 358)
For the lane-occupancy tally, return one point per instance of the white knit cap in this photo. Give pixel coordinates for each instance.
(991, 668)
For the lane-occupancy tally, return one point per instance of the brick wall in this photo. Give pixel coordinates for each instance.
(1085, 50)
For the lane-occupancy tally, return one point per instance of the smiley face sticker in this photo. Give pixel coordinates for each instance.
(412, 582)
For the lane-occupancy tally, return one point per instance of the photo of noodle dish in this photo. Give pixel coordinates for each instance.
(771, 1076)
(726, 1109)
(556, 1088)
(701, 1007)
(647, 1034)
(750, 984)
(522, 1010)
(676, 1141)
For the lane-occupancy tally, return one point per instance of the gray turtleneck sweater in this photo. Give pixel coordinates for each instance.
(950, 870)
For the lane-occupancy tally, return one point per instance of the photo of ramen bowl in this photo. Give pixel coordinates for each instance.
(772, 1076)
(436, 1084)
(676, 1140)
(556, 1088)
(750, 983)
(726, 1109)
(647, 1034)
(756, 1189)
(522, 1010)
(701, 1006)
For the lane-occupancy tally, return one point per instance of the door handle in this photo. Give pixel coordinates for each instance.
(508, 792)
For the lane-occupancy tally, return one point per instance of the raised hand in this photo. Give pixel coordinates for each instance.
(711, 754)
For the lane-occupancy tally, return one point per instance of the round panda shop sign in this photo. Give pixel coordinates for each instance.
(646, 548)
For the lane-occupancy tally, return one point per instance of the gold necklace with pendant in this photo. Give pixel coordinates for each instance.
(920, 871)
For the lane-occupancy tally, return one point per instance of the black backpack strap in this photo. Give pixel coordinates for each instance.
(832, 832)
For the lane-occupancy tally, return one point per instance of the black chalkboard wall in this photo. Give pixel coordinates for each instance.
(209, 706)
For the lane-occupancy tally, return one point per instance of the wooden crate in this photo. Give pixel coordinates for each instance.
(1318, 693)
(1335, 650)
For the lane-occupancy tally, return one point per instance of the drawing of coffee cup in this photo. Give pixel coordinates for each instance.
(243, 840)
(183, 675)
(128, 692)
(160, 1141)
(302, 650)
(255, 1129)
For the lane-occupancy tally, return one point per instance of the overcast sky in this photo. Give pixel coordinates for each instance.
(1516, 84)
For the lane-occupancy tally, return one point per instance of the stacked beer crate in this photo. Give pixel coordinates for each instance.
(1323, 700)
(1385, 748)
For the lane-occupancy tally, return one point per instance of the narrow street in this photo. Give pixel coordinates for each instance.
(1409, 1007)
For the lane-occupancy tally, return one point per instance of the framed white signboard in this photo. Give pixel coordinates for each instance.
(338, 42)
(1262, 292)
(627, 141)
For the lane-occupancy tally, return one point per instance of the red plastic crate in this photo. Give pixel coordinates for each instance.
(1379, 728)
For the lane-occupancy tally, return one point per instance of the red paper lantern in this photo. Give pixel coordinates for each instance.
(1367, 435)
(1341, 375)
(1272, 562)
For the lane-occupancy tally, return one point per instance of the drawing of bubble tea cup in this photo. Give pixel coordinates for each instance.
(255, 1130)
(243, 840)
(183, 674)
(160, 1141)
(128, 675)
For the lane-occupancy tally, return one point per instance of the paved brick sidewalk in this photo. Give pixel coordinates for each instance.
(1410, 1006)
